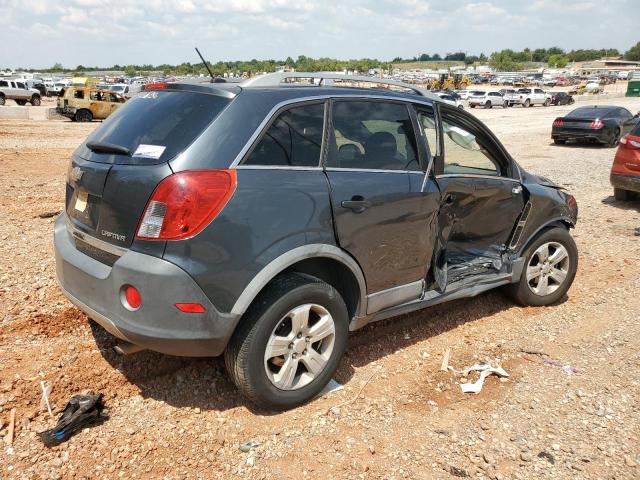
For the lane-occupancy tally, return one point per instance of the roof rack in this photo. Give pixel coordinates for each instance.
(327, 79)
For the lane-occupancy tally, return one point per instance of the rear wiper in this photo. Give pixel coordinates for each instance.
(99, 147)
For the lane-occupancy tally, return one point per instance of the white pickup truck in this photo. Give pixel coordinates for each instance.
(528, 97)
(19, 92)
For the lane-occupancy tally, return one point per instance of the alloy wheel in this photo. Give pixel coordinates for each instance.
(299, 347)
(548, 268)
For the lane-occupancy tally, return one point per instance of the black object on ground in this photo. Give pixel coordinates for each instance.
(80, 412)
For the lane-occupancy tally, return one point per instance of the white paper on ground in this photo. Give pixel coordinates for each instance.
(485, 370)
(331, 387)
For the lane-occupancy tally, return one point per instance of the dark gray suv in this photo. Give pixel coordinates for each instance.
(266, 220)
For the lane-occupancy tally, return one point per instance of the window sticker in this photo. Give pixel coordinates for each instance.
(149, 151)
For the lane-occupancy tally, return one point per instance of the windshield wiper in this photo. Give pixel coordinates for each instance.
(99, 147)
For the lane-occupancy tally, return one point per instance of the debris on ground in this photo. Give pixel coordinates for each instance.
(330, 387)
(8, 439)
(49, 214)
(44, 401)
(484, 369)
(249, 446)
(548, 457)
(80, 412)
(537, 356)
(445, 360)
(458, 472)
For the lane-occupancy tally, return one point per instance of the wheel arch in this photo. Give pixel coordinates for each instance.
(327, 262)
(553, 223)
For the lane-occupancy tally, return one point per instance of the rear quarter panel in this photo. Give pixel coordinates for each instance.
(271, 212)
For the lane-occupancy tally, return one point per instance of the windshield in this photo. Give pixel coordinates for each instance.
(157, 125)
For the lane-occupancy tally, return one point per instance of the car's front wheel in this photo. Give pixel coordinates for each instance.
(289, 343)
(551, 262)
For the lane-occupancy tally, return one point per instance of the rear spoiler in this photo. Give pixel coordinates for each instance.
(220, 89)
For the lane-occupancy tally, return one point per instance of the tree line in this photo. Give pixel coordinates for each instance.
(504, 60)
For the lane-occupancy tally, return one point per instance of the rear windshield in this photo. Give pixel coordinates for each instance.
(588, 112)
(156, 126)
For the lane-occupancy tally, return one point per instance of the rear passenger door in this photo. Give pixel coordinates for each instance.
(383, 203)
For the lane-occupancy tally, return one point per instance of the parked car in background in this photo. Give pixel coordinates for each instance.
(624, 75)
(561, 98)
(464, 94)
(509, 95)
(528, 97)
(166, 239)
(603, 124)
(549, 82)
(19, 92)
(625, 171)
(487, 100)
(450, 99)
(84, 104)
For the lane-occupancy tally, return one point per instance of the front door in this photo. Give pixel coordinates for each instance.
(384, 206)
(481, 198)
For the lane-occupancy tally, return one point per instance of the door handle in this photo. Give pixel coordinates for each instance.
(517, 190)
(357, 203)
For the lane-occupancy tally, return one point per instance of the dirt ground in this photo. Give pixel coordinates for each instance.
(577, 415)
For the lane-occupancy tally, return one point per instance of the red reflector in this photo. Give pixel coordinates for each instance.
(132, 297)
(184, 203)
(156, 86)
(558, 122)
(190, 307)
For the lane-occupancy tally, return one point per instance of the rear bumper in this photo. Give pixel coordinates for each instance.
(601, 135)
(625, 182)
(157, 325)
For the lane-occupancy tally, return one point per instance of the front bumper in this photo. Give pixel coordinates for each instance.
(158, 325)
(625, 182)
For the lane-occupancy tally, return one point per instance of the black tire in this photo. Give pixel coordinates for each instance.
(615, 138)
(505, 104)
(2, 99)
(572, 101)
(546, 103)
(559, 141)
(22, 103)
(521, 292)
(527, 103)
(244, 356)
(623, 195)
(83, 115)
(488, 104)
(35, 100)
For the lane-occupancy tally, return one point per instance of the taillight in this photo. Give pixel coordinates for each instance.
(184, 203)
(597, 123)
(558, 122)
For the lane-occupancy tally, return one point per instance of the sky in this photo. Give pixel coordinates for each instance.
(40, 33)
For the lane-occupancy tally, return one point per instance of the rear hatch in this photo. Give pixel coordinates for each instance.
(115, 171)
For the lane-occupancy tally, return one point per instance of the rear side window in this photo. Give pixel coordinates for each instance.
(294, 139)
(167, 122)
(373, 135)
(3, 83)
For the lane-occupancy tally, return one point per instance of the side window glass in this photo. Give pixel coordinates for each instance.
(428, 125)
(373, 135)
(294, 139)
(3, 83)
(20, 85)
(464, 152)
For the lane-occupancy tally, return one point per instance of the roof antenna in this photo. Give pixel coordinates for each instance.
(206, 65)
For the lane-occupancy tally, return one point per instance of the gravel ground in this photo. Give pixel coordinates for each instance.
(397, 417)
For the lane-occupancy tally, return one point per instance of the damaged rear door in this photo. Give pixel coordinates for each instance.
(480, 203)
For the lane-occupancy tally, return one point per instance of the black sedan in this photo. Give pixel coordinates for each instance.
(597, 123)
(561, 98)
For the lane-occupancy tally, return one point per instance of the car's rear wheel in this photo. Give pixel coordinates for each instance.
(547, 103)
(83, 116)
(290, 342)
(615, 138)
(35, 101)
(488, 104)
(527, 103)
(623, 195)
(551, 262)
(1, 99)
